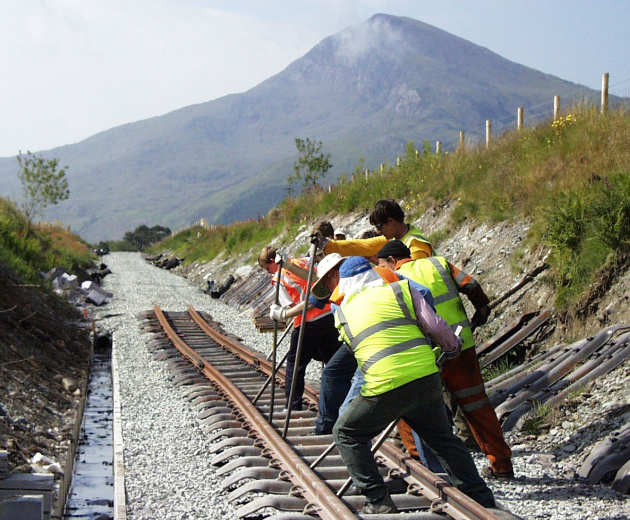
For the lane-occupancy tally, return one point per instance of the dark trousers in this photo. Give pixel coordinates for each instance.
(320, 342)
(335, 383)
(420, 404)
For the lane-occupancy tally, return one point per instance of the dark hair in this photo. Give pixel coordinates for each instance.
(326, 229)
(384, 210)
(370, 233)
(267, 254)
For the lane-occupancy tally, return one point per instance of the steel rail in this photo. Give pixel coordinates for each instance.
(445, 497)
(315, 490)
(249, 357)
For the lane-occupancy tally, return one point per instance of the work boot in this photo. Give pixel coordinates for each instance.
(384, 505)
(488, 472)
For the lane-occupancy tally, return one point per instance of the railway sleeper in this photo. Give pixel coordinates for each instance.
(621, 482)
(255, 473)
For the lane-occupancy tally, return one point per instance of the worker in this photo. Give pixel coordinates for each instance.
(325, 229)
(462, 375)
(320, 340)
(340, 234)
(390, 329)
(389, 220)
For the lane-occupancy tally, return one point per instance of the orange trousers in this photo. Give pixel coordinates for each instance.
(462, 377)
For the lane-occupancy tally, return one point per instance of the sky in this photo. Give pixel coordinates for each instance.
(72, 68)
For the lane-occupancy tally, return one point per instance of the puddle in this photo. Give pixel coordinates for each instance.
(91, 494)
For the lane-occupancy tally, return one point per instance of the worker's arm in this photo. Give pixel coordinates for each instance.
(467, 285)
(358, 247)
(420, 249)
(435, 327)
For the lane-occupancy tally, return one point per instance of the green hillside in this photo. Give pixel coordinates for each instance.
(572, 176)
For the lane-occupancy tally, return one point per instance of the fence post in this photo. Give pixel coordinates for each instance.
(330, 188)
(398, 162)
(488, 132)
(519, 118)
(438, 147)
(556, 108)
(604, 93)
(367, 174)
(461, 140)
(382, 167)
(417, 154)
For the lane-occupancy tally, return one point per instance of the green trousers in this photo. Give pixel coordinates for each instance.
(420, 403)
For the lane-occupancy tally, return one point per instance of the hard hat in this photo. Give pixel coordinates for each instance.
(327, 263)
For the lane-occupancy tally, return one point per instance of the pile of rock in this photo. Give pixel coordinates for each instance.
(80, 289)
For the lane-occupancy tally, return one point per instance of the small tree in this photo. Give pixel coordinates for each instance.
(42, 184)
(311, 165)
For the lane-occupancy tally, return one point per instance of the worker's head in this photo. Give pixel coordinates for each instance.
(328, 276)
(387, 217)
(340, 234)
(392, 252)
(325, 229)
(267, 259)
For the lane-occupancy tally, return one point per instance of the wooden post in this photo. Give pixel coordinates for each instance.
(438, 147)
(556, 108)
(367, 174)
(604, 93)
(488, 132)
(330, 188)
(461, 140)
(417, 154)
(519, 118)
(398, 162)
(382, 167)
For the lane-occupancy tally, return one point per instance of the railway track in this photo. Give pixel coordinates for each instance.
(269, 476)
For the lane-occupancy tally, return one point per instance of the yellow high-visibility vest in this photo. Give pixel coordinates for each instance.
(379, 325)
(434, 273)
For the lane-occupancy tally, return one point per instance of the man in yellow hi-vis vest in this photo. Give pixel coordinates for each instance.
(390, 329)
(462, 375)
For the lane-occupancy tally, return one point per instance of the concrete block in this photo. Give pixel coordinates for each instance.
(24, 507)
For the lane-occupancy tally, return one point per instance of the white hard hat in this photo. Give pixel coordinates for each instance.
(327, 263)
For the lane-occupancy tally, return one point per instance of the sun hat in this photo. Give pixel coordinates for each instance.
(326, 264)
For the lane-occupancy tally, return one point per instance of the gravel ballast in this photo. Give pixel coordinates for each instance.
(167, 472)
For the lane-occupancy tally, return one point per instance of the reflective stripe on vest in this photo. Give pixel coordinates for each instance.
(448, 304)
(296, 287)
(386, 330)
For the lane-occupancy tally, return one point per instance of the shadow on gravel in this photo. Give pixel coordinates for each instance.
(558, 489)
(604, 427)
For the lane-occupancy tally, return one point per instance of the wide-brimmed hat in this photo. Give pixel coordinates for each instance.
(326, 264)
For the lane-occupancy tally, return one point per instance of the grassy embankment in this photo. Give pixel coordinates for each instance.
(572, 177)
(28, 249)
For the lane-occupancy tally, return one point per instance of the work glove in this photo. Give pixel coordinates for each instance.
(480, 317)
(278, 312)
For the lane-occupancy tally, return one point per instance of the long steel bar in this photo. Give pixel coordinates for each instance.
(315, 489)
(276, 300)
(298, 350)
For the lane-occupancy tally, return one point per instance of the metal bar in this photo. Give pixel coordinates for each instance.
(298, 353)
(275, 343)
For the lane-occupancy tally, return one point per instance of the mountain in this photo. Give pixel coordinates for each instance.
(364, 92)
